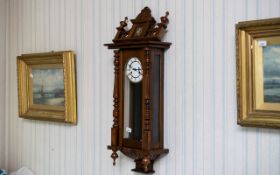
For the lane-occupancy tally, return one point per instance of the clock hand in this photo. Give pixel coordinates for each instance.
(138, 69)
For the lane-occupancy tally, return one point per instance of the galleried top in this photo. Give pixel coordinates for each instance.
(144, 28)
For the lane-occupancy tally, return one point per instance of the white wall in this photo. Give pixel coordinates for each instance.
(200, 107)
(2, 80)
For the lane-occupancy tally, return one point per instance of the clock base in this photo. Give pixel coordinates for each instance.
(144, 159)
(141, 168)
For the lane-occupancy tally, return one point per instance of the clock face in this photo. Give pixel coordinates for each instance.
(134, 70)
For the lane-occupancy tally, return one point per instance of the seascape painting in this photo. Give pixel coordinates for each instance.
(271, 55)
(48, 86)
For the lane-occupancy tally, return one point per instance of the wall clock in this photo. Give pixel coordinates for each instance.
(137, 129)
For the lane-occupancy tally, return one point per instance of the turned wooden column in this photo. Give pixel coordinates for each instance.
(116, 111)
(147, 117)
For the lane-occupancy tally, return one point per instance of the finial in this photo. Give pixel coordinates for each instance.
(164, 19)
(166, 13)
(124, 22)
(114, 157)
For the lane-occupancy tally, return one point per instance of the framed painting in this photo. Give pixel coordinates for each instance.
(47, 86)
(258, 73)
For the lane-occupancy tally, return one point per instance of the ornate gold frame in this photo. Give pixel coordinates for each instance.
(28, 110)
(252, 110)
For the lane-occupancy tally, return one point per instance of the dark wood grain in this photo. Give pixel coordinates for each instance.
(143, 41)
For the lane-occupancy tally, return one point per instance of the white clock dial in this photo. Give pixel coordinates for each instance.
(134, 70)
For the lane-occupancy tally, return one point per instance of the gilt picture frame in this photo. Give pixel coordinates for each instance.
(47, 86)
(258, 73)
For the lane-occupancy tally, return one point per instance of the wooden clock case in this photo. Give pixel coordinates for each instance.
(143, 41)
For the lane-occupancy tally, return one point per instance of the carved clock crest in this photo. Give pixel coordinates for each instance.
(137, 129)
